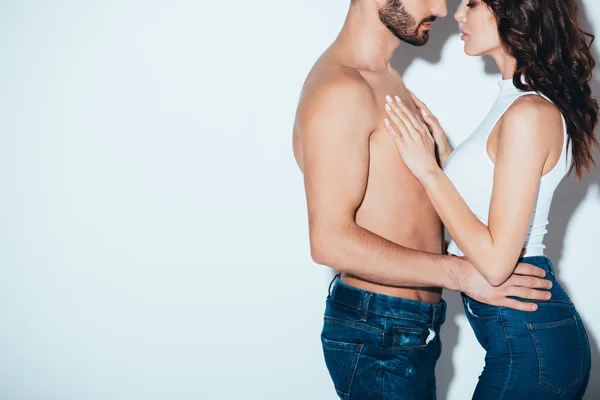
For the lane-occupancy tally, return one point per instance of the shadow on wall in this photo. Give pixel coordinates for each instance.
(442, 29)
(567, 198)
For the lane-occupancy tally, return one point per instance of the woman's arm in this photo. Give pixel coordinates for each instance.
(522, 150)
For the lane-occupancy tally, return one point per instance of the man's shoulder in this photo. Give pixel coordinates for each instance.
(338, 92)
(340, 82)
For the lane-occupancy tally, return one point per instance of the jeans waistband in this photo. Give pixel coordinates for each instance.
(433, 314)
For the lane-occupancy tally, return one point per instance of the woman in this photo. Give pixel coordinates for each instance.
(497, 188)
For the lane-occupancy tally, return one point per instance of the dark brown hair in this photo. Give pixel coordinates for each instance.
(554, 56)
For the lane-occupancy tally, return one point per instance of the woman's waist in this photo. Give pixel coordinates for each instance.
(559, 294)
(533, 248)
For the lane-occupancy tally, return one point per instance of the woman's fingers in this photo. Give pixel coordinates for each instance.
(396, 123)
(425, 124)
(399, 117)
(529, 270)
(432, 122)
(519, 305)
(527, 293)
(397, 136)
(414, 120)
(400, 122)
(531, 282)
(417, 124)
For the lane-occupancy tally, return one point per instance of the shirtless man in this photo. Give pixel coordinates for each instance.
(371, 219)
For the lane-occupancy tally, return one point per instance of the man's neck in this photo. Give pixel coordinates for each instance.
(366, 43)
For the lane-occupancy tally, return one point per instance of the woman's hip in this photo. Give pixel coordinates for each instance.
(545, 351)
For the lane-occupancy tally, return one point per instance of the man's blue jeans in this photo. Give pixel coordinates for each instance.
(381, 347)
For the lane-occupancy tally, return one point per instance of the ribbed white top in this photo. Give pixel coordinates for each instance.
(471, 171)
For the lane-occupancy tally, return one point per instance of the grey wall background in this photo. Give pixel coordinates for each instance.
(153, 233)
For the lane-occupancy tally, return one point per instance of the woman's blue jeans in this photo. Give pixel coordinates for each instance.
(531, 355)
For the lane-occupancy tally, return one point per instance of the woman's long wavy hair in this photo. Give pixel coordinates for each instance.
(554, 55)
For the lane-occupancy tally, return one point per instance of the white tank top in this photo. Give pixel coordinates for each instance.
(471, 171)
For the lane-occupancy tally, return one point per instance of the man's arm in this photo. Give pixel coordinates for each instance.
(336, 123)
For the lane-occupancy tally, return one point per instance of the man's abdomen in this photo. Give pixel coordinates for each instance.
(397, 208)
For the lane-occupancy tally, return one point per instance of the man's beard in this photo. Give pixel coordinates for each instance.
(395, 17)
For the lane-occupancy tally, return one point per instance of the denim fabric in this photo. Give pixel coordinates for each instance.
(381, 347)
(531, 355)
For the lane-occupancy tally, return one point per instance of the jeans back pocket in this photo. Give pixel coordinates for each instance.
(560, 352)
(341, 359)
